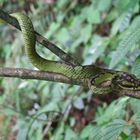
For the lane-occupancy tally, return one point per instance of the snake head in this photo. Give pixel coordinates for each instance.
(101, 84)
(125, 81)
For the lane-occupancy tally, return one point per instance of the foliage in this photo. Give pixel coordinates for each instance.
(104, 32)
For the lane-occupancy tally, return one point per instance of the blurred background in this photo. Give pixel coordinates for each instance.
(89, 30)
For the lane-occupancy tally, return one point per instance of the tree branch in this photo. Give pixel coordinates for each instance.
(42, 75)
(40, 39)
(38, 75)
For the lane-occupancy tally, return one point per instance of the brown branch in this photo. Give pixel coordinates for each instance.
(40, 39)
(38, 75)
(42, 75)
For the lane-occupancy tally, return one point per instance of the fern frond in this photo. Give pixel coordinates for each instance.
(136, 67)
(110, 131)
(125, 45)
(126, 20)
(114, 129)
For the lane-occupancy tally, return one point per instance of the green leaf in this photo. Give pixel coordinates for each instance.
(22, 134)
(124, 46)
(136, 67)
(87, 131)
(99, 45)
(113, 111)
(126, 20)
(136, 118)
(59, 133)
(98, 50)
(121, 22)
(135, 103)
(75, 25)
(92, 15)
(110, 131)
(70, 134)
(112, 15)
(104, 5)
(97, 134)
(121, 5)
(51, 106)
(135, 23)
(63, 35)
(62, 3)
(116, 25)
(114, 129)
(85, 35)
(52, 29)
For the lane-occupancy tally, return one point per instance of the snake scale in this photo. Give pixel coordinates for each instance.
(98, 79)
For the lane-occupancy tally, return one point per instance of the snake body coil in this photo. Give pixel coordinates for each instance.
(48, 65)
(99, 80)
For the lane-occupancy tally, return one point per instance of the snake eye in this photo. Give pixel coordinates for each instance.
(126, 81)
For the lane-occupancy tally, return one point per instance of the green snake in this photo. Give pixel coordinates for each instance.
(98, 79)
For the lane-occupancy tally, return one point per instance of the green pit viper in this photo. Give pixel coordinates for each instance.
(99, 80)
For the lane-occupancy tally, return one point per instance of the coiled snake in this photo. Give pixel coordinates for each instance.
(99, 80)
